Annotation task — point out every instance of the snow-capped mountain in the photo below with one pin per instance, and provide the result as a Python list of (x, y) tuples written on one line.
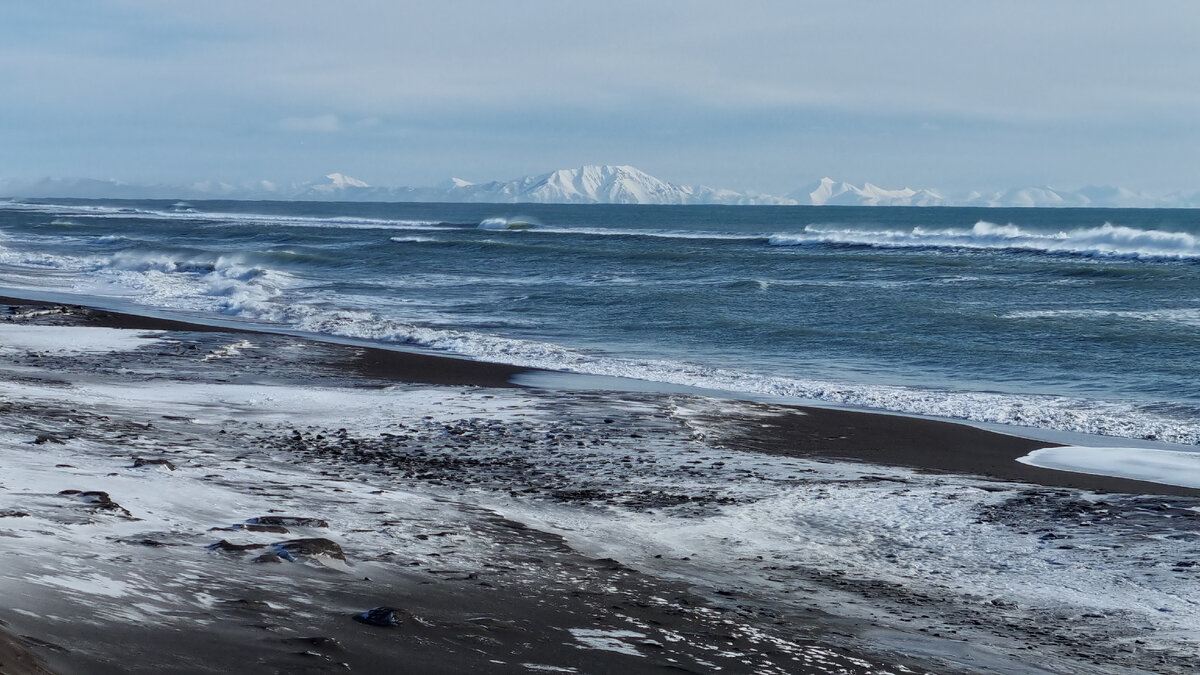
[(599, 185), (828, 192), (585, 185), (338, 187)]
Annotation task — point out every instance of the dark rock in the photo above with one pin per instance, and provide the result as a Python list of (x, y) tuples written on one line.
[(98, 499), (250, 527), (271, 557), (274, 529), (248, 604), (320, 643), (287, 521), (42, 439), (141, 461), (384, 617), (13, 514), (227, 547), (317, 546), (153, 543)]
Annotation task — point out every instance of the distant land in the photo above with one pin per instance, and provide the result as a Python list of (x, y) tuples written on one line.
[(597, 184)]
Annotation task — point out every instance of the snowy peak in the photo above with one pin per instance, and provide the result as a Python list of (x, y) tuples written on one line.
[(341, 181), (600, 184), (337, 186), (338, 182), (828, 192), (604, 184)]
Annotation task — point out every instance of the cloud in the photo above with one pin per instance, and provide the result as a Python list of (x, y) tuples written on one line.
[(696, 93), (317, 124)]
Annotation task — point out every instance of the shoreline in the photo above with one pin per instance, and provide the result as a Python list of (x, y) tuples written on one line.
[(376, 362), (935, 446), (872, 437), (156, 477)]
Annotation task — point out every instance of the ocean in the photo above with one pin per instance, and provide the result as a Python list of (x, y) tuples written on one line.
[(1067, 320), (570, 517)]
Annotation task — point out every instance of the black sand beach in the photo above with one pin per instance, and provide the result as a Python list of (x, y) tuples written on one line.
[(469, 589), (876, 438)]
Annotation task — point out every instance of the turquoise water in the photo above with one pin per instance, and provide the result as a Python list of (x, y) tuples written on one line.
[(1073, 319)]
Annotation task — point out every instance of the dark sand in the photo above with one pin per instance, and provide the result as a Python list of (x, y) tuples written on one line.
[(16, 659), (376, 362), (925, 444), (876, 438), (464, 620)]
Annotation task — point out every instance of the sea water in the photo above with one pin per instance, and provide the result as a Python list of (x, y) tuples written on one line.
[(1078, 320)]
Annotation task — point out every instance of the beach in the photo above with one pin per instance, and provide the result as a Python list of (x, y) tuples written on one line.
[(598, 338), (185, 498)]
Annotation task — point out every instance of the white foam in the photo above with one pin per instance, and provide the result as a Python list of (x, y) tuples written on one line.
[(1106, 418), (237, 285), (234, 286), (508, 223), (1107, 240), (915, 532), (1185, 316), (89, 584), (608, 640), (228, 351), (1168, 467), (920, 533), (255, 299)]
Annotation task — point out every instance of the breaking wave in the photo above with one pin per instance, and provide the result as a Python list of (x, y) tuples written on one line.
[(1107, 240), (281, 285), (1118, 419), (240, 285)]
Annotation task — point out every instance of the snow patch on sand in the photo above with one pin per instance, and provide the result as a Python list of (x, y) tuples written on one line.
[(608, 640), (1168, 467), (76, 339)]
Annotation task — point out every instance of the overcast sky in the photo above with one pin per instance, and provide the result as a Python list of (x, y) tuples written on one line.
[(761, 95)]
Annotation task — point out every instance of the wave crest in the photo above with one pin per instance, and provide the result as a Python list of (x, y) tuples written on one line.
[(1107, 240)]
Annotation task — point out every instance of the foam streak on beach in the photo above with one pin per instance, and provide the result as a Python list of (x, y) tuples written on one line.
[(178, 497)]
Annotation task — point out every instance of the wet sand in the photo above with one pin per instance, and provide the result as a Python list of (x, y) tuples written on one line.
[(384, 364), (16, 659), (923, 444)]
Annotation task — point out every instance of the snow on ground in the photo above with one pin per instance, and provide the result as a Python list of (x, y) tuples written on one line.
[(1000, 566), (53, 339), (1169, 467)]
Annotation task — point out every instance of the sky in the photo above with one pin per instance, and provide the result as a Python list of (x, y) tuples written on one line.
[(764, 96)]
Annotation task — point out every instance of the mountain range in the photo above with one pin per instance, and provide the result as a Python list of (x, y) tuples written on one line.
[(597, 184)]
